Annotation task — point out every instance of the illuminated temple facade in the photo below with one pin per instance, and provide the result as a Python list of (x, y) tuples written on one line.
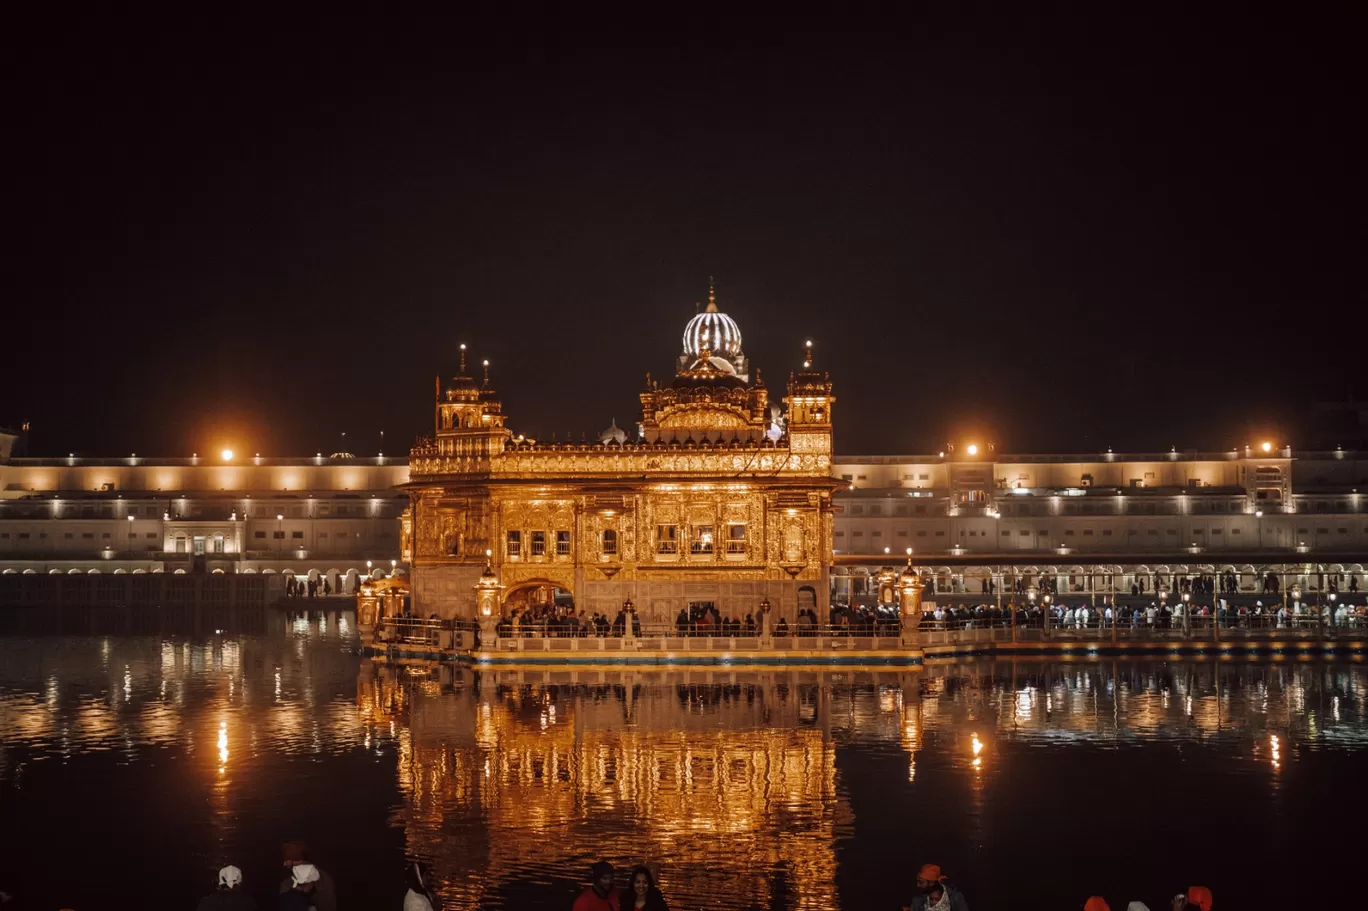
[(717, 501)]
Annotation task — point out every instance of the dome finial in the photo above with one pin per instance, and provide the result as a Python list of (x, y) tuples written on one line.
[(486, 372), (807, 354), (462, 373), (712, 296)]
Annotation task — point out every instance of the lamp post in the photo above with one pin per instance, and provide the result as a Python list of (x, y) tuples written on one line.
[(1258, 518), (280, 532), (1187, 612), (1294, 592), (1162, 591), (1333, 598), (1046, 599)]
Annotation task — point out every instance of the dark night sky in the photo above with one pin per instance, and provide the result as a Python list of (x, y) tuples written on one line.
[(1058, 234)]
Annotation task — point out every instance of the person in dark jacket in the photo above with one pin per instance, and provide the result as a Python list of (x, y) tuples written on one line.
[(303, 892), (229, 895), (323, 894), (641, 893)]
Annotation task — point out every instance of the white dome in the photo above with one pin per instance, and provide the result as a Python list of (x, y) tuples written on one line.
[(723, 335)]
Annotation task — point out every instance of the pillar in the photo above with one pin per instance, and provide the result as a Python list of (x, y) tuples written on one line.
[(910, 605)]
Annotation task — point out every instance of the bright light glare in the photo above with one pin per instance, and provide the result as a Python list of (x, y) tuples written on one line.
[(1267, 447), (227, 455), (973, 449)]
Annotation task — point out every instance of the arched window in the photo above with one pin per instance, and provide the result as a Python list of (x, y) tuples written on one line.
[(610, 542)]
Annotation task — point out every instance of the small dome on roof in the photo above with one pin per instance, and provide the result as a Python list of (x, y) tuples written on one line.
[(614, 434)]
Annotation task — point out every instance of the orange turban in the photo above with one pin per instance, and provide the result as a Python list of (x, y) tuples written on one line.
[(1096, 903), (929, 872), (1200, 896)]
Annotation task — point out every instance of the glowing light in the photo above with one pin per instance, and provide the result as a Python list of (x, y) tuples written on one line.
[(1266, 447), (1276, 748), (973, 449), (226, 455), (223, 743)]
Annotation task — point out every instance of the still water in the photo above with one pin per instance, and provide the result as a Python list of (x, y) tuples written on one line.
[(133, 764)]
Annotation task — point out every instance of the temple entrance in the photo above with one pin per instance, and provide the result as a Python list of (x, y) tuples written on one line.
[(537, 597)]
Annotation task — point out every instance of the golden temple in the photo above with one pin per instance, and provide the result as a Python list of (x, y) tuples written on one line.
[(719, 498)]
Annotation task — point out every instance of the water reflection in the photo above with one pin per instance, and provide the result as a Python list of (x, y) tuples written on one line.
[(733, 783), (767, 789)]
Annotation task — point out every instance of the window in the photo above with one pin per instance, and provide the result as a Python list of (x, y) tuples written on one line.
[(840, 534), (180, 545), (218, 544), (859, 534), (562, 543), (857, 510), (105, 536), (1005, 533), (297, 535), (921, 534), (255, 534), (1023, 533), (1322, 531), (860, 477), (701, 539), (1088, 532), (736, 539), (538, 543), (667, 539), (67, 535), (876, 534), (322, 534), (1234, 531), (1069, 532), (846, 477), (902, 534), (940, 534), (923, 477), (23, 536), (1215, 531), (1154, 531), (1106, 532), (278, 535), (1343, 531), (513, 544), (610, 542)]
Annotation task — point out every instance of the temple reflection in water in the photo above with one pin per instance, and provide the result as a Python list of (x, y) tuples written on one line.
[(730, 781)]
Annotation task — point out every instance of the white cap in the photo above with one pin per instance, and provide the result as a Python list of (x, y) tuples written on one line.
[(230, 876), (304, 873)]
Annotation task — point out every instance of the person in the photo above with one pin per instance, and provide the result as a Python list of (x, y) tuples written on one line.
[(1197, 897), (1096, 903), (229, 895), (324, 893), (303, 892), (419, 896), (600, 896), (929, 880), (642, 894)]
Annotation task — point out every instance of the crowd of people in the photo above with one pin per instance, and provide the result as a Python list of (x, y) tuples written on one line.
[(304, 587), (307, 888), (933, 892)]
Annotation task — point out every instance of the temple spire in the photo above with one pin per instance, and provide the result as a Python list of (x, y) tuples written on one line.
[(462, 372), (807, 354), (712, 296), (486, 373)]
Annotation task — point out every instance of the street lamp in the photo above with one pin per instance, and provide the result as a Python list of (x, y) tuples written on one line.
[(1187, 611), (280, 531)]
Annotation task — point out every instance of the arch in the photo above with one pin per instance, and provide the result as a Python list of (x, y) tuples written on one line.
[(159, 569), (283, 572), (140, 572), (120, 571), (7, 572), (73, 572), (267, 570), (400, 571), (55, 572), (250, 569), (523, 589), (216, 571), (29, 572), (180, 572), (807, 597), (92, 572), (312, 575), (351, 578)]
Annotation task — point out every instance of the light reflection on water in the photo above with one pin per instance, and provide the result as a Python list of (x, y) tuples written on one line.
[(746, 789)]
